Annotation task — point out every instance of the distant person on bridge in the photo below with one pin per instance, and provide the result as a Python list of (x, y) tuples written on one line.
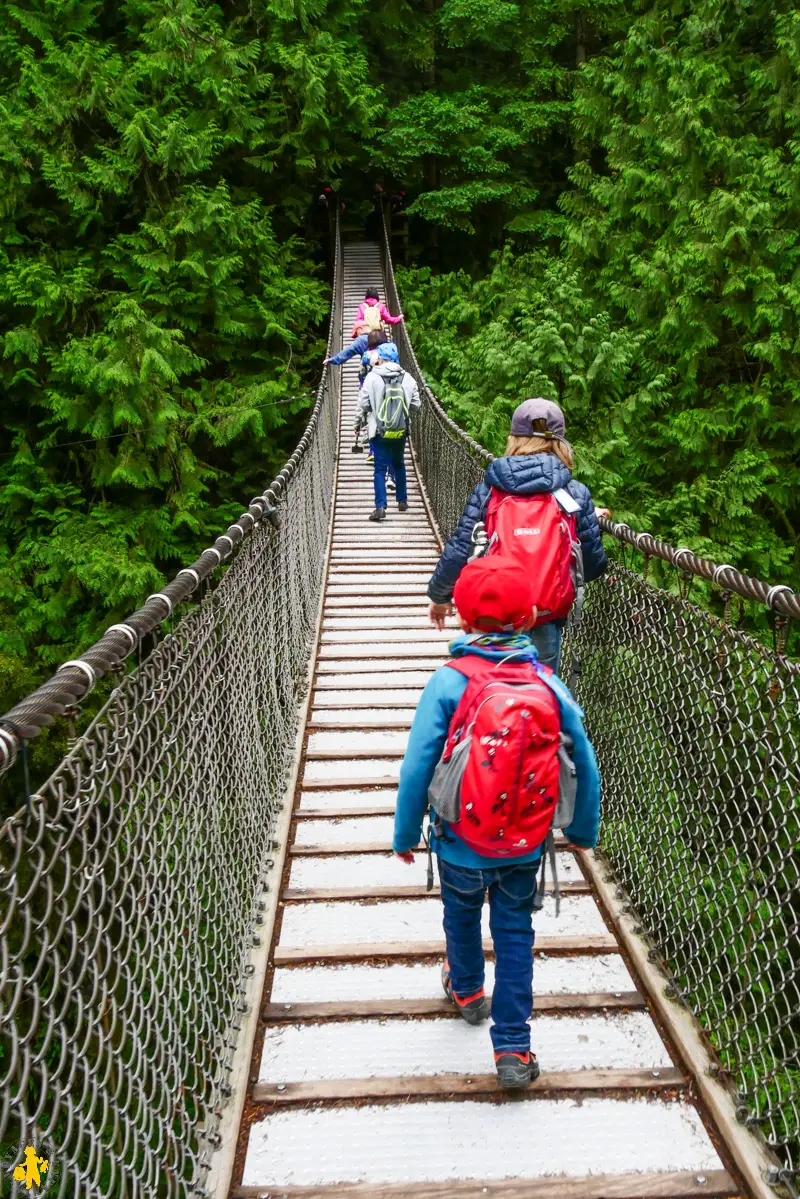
[(385, 404), (373, 314), (486, 752), (529, 506)]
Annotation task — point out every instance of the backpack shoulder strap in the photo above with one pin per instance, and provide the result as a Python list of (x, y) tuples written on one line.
[(470, 665)]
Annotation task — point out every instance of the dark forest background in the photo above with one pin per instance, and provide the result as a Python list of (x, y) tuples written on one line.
[(604, 208)]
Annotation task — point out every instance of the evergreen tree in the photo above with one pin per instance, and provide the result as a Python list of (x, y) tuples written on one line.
[(159, 319)]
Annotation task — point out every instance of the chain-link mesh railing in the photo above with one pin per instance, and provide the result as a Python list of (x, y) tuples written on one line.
[(132, 886), (697, 729)]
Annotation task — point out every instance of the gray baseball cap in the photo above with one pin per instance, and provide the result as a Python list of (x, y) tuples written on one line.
[(537, 409)]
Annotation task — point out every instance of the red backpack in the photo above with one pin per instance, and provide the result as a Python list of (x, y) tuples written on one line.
[(505, 776), (541, 531)]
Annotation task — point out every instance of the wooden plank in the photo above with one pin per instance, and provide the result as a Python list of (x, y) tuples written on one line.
[(334, 666), (318, 894), (383, 726), (747, 1149), (400, 614), (340, 813), (384, 780), (423, 645), (683, 1184), (392, 567), (291, 955), (353, 755), (387, 601), (367, 704), (439, 1085), (329, 684), (367, 1009), (328, 851), (412, 650)]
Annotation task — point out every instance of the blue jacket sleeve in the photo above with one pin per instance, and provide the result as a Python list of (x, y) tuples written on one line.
[(426, 741), (456, 552), (589, 534), (356, 347), (586, 818)]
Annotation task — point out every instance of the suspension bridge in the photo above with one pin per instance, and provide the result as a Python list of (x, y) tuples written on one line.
[(217, 981)]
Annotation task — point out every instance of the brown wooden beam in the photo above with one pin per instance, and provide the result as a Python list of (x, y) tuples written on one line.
[(349, 784), (353, 755), (556, 946), (350, 704), (367, 1009), (327, 894), (340, 813), (399, 664), (385, 726), (442, 1085), (332, 850), (684, 1184)]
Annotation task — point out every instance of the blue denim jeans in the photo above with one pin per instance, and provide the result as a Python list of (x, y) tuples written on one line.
[(511, 893), (389, 454), (547, 639)]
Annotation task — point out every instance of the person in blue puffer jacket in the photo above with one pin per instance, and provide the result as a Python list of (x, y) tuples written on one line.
[(537, 459)]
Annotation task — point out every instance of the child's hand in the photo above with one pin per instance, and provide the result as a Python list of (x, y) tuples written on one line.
[(606, 512), (577, 848), (405, 856), (438, 613)]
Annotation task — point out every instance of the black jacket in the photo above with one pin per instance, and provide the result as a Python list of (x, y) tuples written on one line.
[(523, 474)]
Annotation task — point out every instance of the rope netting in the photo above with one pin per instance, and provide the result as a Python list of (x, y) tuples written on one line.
[(133, 886), (696, 724)]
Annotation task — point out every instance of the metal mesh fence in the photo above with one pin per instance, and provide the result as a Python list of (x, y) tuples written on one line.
[(697, 729), (132, 890)]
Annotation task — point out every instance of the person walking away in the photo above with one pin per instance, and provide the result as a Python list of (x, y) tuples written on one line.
[(498, 749), (385, 404), (529, 505), (372, 314)]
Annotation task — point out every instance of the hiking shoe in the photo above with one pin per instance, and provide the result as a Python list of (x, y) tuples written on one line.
[(378, 514), (402, 507), (370, 457), (516, 1070), (474, 1009), (390, 483)]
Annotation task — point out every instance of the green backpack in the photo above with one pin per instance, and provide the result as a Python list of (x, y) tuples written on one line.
[(392, 412)]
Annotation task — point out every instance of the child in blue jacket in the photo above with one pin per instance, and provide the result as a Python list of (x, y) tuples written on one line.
[(490, 593)]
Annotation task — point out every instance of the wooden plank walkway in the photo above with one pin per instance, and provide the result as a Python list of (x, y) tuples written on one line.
[(365, 1087)]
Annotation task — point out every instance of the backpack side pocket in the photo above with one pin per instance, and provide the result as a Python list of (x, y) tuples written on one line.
[(444, 793)]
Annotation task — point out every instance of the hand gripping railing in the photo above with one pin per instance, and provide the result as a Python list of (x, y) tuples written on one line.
[(132, 887), (697, 729)]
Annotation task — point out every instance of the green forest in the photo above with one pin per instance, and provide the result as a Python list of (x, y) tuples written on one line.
[(604, 207)]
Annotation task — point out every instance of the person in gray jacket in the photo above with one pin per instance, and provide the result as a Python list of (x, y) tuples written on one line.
[(387, 399)]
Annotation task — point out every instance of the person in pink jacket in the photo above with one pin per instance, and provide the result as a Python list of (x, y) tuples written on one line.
[(366, 322)]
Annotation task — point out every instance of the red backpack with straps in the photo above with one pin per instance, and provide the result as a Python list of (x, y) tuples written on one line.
[(541, 532), (504, 777)]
